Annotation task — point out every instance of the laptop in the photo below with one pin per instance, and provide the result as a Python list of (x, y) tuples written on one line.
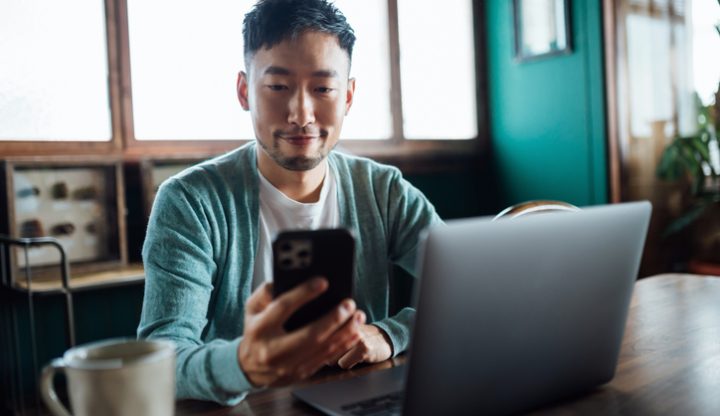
[(511, 315)]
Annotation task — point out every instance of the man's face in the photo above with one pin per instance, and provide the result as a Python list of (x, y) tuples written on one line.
[(298, 93)]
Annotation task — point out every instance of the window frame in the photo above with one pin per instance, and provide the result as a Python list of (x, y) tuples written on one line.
[(112, 146), (615, 14), (124, 143)]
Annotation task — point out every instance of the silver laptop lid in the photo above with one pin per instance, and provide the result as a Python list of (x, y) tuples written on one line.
[(515, 313)]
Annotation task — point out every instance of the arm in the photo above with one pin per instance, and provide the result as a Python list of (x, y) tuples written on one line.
[(179, 269), (408, 214)]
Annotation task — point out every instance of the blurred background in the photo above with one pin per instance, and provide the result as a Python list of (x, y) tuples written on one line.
[(481, 104)]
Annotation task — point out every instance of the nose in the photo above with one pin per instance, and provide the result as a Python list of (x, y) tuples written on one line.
[(301, 111)]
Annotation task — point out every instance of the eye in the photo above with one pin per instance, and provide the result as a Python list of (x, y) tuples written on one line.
[(277, 87), (324, 90)]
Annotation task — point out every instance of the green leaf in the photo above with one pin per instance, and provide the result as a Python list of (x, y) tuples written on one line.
[(687, 155), (701, 146), (686, 219), (670, 168)]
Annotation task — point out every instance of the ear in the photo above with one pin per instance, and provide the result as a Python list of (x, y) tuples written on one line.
[(242, 90), (349, 95)]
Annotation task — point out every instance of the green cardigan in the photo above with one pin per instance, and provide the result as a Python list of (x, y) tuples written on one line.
[(200, 249)]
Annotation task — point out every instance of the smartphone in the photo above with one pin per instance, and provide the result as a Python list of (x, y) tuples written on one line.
[(302, 255)]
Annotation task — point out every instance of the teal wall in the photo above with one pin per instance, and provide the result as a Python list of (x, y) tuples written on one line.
[(548, 116)]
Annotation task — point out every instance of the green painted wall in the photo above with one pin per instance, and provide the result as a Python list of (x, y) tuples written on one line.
[(548, 116)]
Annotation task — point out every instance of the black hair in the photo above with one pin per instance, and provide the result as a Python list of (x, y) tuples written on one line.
[(273, 21)]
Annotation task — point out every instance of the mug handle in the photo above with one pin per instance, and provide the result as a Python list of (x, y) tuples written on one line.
[(48, 392)]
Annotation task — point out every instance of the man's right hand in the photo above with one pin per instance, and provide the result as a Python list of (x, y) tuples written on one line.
[(270, 356)]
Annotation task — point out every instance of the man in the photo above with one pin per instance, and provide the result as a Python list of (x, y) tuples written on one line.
[(209, 237)]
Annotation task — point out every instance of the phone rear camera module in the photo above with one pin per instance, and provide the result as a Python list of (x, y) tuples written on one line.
[(286, 263), (294, 254)]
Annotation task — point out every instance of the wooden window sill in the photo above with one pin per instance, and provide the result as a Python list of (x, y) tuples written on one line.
[(131, 273)]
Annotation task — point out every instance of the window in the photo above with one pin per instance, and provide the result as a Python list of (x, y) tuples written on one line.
[(659, 90), (176, 63), (183, 76), (437, 69), (664, 82), (371, 115), (53, 71)]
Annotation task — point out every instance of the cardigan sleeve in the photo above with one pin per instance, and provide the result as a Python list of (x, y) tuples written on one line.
[(179, 273), (409, 213)]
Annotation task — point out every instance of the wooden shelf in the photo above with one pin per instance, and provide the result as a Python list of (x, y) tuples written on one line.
[(123, 275)]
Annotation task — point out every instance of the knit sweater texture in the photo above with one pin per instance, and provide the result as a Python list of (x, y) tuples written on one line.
[(200, 248)]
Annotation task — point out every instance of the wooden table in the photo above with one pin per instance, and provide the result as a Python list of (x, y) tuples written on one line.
[(669, 362)]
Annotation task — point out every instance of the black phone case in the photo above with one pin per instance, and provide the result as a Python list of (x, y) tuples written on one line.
[(302, 255)]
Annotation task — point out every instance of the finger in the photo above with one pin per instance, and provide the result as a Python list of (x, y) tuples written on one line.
[(260, 299), (342, 341), (360, 319), (339, 345), (286, 304), (322, 329), (293, 349), (292, 365), (304, 344), (297, 351), (333, 361), (353, 357)]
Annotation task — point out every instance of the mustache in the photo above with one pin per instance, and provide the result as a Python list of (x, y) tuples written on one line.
[(301, 131)]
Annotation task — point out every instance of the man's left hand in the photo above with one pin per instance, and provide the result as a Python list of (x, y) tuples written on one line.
[(374, 346)]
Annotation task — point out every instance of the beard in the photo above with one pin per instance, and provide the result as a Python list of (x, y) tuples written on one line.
[(296, 163)]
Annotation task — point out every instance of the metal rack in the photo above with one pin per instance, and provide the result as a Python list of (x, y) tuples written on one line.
[(11, 295)]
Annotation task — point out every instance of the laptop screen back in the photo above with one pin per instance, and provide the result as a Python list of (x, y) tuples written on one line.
[(516, 313)]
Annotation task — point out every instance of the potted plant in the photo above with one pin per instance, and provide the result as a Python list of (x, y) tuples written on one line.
[(696, 160)]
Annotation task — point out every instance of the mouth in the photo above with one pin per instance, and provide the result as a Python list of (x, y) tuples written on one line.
[(300, 140)]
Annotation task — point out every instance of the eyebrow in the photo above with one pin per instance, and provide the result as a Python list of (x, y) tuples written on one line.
[(278, 70), (325, 73)]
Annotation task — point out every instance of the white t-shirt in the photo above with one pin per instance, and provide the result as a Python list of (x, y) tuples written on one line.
[(279, 213)]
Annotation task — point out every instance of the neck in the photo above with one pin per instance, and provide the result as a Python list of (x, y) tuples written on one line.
[(301, 186)]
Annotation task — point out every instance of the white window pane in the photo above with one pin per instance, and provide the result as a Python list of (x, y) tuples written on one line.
[(184, 80), (370, 116), (650, 79), (185, 56), (437, 67), (53, 71), (686, 107), (706, 47)]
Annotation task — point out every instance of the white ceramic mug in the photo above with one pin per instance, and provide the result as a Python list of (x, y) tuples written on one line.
[(115, 377)]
